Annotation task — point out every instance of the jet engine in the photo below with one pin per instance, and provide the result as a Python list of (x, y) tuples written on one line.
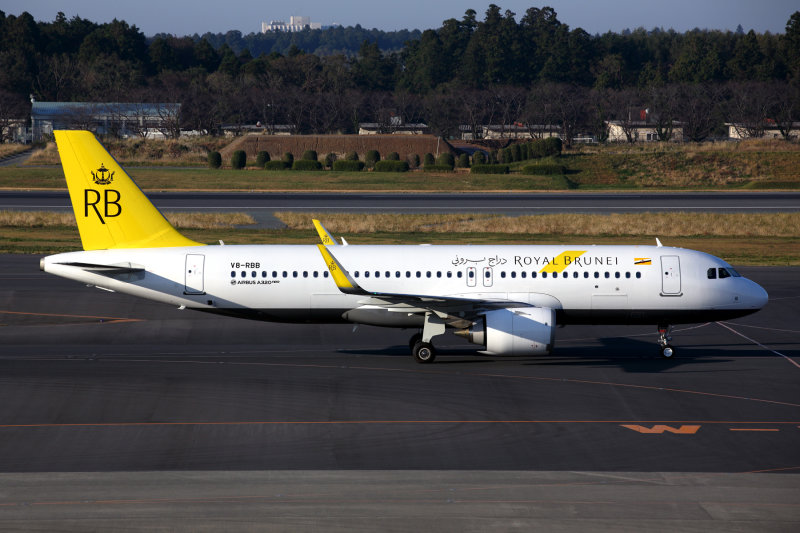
[(514, 331)]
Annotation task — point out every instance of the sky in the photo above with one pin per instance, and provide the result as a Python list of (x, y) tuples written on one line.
[(187, 17)]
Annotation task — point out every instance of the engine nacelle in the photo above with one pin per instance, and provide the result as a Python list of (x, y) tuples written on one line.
[(514, 331)]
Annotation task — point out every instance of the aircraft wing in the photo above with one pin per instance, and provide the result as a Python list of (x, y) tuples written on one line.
[(454, 309)]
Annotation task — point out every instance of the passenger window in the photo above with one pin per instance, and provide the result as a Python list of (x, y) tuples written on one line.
[(533, 274), (285, 274), (544, 274), (565, 275), (253, 273), (723, 273), (616, 275), (638, 275), (459, 273), (523, 274), (294, 274), (233, 273), (244, 274), (325, 274), (366, 273), (397, 274), (471, 274), (428, 274), (316, 274), (408, 274), (596, 275), (585, 274), (419, 274), (263, 273), (438, 273), (449, 274), (274, 274), (305, 273), (627, 275), (575, 275), (607, 275), (711, 273), (502, 274), (487, 274), (377, 274), (513, 274)]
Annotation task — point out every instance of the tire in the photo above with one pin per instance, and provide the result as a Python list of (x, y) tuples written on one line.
[(423, 353), (667, 352)]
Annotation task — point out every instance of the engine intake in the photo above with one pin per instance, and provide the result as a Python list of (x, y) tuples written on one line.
[(514, 331)]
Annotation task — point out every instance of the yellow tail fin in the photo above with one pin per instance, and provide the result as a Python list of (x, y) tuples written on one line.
[(111, 210)]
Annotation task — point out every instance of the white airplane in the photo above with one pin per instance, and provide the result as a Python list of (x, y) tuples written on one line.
[(508, 299)]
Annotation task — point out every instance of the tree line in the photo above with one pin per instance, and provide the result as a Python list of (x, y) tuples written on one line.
[(535, 71)]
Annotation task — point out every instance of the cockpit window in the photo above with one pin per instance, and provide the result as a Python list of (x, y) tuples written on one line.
[(723, 273), (712, 273), (734, 273)]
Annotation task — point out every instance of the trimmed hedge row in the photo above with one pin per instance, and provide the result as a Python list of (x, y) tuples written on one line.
[(391, 165), (544, 169), (437, 168), (489, 169), (276, 165), (346, 165), (306, 164)]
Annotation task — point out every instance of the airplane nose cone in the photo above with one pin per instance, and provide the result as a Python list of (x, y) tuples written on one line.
[(757, 296)]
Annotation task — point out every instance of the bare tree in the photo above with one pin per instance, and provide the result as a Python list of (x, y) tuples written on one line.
[(784, 107), (696, 109), (627, 107), (12, 113), (749, 106), (663, 109)]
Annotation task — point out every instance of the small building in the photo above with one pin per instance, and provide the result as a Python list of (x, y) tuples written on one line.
[(509, 131), (738, 131), (149, 120), (640, 131), (395, 126), (295, 24)]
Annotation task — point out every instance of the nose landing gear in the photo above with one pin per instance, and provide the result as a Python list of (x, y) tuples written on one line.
[(667, 351)]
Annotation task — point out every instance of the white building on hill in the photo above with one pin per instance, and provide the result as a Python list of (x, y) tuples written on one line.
[(295, 24)]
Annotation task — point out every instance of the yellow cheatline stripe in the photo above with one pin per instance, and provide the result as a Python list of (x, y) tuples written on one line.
[(562, 261), (327, 238), (337, 272), (642, 261)]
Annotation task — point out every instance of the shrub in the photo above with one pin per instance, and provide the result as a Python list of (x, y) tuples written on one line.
[(306, 164), (276, 165), (261, 158), (479, 158), (214, 159), (516, 153), (391, 165), (544, 169), (413, 160), (463, 161), (393, 156), (372, 157), (309, 155), (545, 147), (493, 155), (428, 159), (288, 158), (446, 159), (438, 168), (553, 146), (525, 151), (351, 156), (348, 165), (239, 159), (329, 160), (506, 156), (489, 169)]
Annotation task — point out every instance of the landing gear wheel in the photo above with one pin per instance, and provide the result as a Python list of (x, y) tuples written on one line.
[(423, 352), (667, 352), (415, 338)]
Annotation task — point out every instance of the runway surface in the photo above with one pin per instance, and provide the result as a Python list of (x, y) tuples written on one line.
[(146, 410)]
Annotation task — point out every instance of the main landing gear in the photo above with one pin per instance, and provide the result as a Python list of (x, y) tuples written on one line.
[(667, 351), (420, 343)]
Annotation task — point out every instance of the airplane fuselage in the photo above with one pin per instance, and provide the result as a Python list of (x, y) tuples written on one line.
[(291, 283)]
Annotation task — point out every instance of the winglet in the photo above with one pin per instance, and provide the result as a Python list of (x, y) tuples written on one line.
[(658, 243), (340, 276), (324, 234)]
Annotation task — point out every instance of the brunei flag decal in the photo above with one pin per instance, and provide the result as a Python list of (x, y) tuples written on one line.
[(642, 261)]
